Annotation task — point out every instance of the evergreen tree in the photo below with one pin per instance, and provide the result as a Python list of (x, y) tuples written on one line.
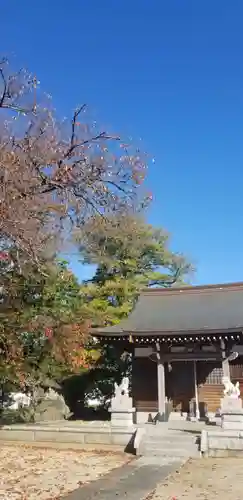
[(129, 255)]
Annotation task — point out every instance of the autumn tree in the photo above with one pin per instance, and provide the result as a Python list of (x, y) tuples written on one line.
[(55, 174), (43, 333)]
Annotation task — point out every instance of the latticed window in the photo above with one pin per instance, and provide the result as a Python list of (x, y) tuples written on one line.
[(209, 373), (236, 370), (215, 376)]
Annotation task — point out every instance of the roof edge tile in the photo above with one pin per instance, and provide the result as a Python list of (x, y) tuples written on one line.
[(193, 288)]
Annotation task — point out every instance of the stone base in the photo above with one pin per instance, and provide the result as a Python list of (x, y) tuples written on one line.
[(231, 414), (232, 417), (229, 441), (224, 443), (122, 418), (231, 405), (232, 421), (123, 403), (232, 426)]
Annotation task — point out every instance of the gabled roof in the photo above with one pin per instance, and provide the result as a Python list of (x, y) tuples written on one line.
[(211, 308)]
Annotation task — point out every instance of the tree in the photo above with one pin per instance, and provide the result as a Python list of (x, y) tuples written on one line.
[(129, 255), (55, 174), (44, 331)]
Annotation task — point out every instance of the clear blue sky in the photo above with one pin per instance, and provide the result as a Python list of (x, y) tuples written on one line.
[(170, 72)]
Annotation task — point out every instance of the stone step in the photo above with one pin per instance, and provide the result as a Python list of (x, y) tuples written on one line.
[(156, 460), (167, 443), (169, 446), (168, 453), (161, 431), (170, 438)]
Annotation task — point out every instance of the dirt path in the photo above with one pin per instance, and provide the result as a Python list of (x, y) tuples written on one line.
[(205, 479)]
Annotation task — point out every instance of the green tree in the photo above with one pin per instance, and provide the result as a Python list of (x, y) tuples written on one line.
[(129, 255)]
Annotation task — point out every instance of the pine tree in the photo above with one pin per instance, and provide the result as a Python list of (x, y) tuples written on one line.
[(129, 255)]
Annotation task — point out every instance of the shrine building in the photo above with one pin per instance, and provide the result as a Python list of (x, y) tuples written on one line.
[(183, 340)]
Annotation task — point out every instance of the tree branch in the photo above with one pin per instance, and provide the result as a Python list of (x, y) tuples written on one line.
[(4, 88)]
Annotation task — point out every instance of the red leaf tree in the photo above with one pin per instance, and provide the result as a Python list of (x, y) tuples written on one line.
[(56, 174)]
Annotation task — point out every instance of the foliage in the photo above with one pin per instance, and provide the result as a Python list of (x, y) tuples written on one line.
[(55, 174), (129, 255), (44, 333), (59, 178), (20, 416), (97, 383)]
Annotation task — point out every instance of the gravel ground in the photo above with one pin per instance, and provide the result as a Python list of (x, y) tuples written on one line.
[(28, 473), (208, 479)]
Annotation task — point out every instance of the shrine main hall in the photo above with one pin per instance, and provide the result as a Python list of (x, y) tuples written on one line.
[(183, 340)]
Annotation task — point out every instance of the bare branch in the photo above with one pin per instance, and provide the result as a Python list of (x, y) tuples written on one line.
[(74, 124), (51, 174), (4, 88)]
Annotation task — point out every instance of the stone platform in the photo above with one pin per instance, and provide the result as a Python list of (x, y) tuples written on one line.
[(222, 443), (73, 432), (227, 440)]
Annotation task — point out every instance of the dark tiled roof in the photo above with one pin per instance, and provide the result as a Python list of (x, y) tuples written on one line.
[(187, 309)]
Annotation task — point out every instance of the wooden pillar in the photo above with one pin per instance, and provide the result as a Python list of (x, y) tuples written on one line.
[(161, 385), (225, 361), (196, 390)]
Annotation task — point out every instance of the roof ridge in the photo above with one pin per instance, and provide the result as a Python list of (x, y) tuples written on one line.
[(193, 288)]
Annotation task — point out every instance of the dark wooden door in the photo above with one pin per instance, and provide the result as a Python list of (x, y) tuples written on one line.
[(179, 385), (144, 385)]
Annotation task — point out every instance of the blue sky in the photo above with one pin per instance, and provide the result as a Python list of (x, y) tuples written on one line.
[(170, 72)]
